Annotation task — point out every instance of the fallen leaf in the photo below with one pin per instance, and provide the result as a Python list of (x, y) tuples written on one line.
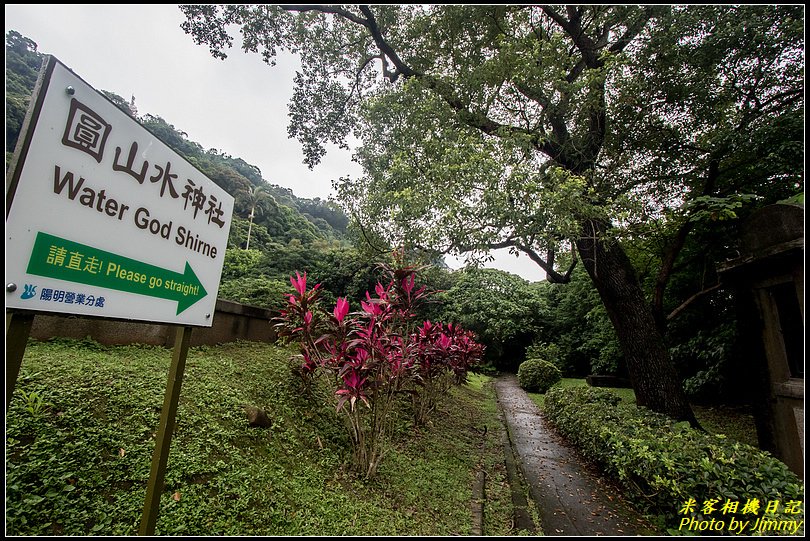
[(121, 452), (176, 496)]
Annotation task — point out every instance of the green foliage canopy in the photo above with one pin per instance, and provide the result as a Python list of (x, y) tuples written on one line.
[(504, 310), (507, 125)]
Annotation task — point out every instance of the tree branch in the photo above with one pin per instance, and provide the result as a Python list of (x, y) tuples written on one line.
[(401, 67), (370, 22), (371, 245), (335, 10), (675, 247), (665, 272), (557, 18), (634, 29), (690, 300), (553, 276), (545, 264), (556, 120), (473, 119)]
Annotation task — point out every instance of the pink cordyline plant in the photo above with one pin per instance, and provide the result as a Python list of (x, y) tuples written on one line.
[(341, 309), (376, 353), (445, 354)]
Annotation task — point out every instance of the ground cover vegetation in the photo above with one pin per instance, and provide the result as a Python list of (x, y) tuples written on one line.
[(735, 421), (80, 434)]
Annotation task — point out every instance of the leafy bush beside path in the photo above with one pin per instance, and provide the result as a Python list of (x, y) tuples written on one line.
[(671, 469)]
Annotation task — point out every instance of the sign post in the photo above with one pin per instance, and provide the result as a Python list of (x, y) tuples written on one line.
[(104, 220), (18, 327), (164, 436)]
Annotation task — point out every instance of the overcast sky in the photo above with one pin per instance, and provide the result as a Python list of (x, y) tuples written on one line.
[(237, 106)]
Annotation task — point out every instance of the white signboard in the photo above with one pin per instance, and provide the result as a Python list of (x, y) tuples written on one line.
[(105, 219)]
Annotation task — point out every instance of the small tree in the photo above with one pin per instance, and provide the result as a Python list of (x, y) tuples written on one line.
[(505, 311), (257, 193)]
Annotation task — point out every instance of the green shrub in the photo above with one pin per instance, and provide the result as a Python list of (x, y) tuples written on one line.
[(258, 291), (663, 465), (537, 375)]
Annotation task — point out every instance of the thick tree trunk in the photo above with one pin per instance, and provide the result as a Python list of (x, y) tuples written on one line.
[(655, 381)]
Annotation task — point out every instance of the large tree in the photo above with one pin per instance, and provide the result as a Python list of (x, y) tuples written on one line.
[(540, 128)]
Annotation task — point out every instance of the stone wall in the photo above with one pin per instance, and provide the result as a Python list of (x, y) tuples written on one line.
[(232, 321)]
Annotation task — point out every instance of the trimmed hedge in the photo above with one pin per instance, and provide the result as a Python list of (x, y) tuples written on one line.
[(537, 375), (664, 464)]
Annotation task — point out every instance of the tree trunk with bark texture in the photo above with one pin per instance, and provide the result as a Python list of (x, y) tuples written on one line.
[(655, 381)]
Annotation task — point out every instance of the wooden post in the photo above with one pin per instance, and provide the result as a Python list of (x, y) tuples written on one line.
[(18, 327), (164, 436)]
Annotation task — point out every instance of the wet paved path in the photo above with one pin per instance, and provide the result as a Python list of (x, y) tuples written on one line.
[(570, 499)]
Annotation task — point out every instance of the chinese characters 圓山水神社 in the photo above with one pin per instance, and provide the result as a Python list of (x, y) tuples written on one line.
[(87, 131)]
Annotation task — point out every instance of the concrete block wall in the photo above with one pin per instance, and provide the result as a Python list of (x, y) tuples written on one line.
[(232, 321)]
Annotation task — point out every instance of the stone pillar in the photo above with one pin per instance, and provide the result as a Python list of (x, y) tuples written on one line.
[(770, 274)]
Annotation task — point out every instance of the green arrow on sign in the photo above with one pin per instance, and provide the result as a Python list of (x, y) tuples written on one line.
[(54, 257)]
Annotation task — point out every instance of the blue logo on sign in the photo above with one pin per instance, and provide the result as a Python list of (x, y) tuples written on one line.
[(29, 292)]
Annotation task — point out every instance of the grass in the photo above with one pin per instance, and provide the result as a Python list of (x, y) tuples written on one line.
[(80, 434), (736, 423)]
